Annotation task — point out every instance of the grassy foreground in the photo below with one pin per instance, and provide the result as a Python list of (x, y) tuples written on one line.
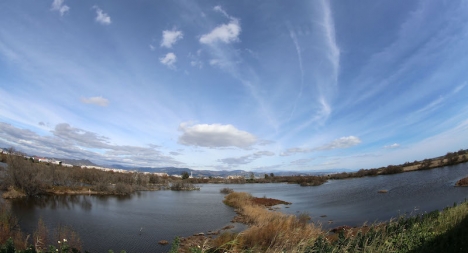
[(271, 231), (438, 231)]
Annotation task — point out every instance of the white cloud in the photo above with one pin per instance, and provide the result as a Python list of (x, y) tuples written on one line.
[(151, 47), (343, 142), (58, 5), (394, 145), (96, 101), (215, 136), (102, 17), (169, 60), (225, 33), (170, 38), (219, 9), (236, 161)]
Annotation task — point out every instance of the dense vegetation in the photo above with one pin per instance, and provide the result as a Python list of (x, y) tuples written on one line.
[(27, 177), (451, 158), (31, 178)]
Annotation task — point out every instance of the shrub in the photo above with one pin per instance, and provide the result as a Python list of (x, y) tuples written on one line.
[(226, 190), (391, 169), (9, 228), (123, 189), (23, 175), (101, 187), (183, 186)]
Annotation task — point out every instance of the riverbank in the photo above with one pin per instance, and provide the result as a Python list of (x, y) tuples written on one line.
[(437, 231), (25, 177), (448, 160), (264, 227)]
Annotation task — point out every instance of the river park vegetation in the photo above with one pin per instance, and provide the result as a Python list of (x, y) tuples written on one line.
[(268, 231), (26, 177)]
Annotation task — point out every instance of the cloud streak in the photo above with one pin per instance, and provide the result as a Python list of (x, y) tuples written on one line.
[(242, 160), (343, 142), (100, 101)]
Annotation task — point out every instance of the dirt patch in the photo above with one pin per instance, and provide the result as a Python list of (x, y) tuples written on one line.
[(12, 193)]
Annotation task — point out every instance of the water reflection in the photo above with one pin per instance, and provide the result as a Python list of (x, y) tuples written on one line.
[(166, 214), (53, 202)]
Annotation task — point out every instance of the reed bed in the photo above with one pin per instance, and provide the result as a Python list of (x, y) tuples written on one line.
[(274, 232), (269, 231)]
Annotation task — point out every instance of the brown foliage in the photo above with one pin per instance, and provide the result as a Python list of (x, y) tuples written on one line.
[(392, 169), (66, 234), (24, 175), (9, 228), (226, 190), (33, 178), (41, 236), (462, 182), (268, 230)]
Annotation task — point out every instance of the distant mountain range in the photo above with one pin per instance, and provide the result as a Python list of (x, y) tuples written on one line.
[(199, 173), (77, 162), (223, 173), (178, 171)]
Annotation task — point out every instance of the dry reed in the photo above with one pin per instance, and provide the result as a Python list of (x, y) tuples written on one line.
[(269, 231)]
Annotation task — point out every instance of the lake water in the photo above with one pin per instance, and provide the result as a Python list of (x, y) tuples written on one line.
[(109, 222)]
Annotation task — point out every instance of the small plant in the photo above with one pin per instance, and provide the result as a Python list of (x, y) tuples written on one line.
[(175, 245)]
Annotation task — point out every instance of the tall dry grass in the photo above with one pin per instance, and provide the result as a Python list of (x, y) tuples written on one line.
[(269, 231), (437, 231)]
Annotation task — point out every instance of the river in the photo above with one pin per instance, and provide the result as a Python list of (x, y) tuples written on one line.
[(109, 222)]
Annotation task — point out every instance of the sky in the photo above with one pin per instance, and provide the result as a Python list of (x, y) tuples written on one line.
[(224, 85)]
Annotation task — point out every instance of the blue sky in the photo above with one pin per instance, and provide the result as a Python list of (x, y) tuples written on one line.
[(220, 85)]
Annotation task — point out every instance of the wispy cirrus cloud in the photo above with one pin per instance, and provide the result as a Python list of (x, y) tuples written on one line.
[(326, 70), (392, 146), (293, 36), (100, 101), (343, 142), (58, 5), (102, 17), (302, 162), (241, 160), (215, 136)]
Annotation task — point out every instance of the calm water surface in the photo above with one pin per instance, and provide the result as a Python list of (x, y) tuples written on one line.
[(105, 223)]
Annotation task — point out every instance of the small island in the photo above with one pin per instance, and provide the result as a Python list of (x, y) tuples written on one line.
[(462, 182)]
